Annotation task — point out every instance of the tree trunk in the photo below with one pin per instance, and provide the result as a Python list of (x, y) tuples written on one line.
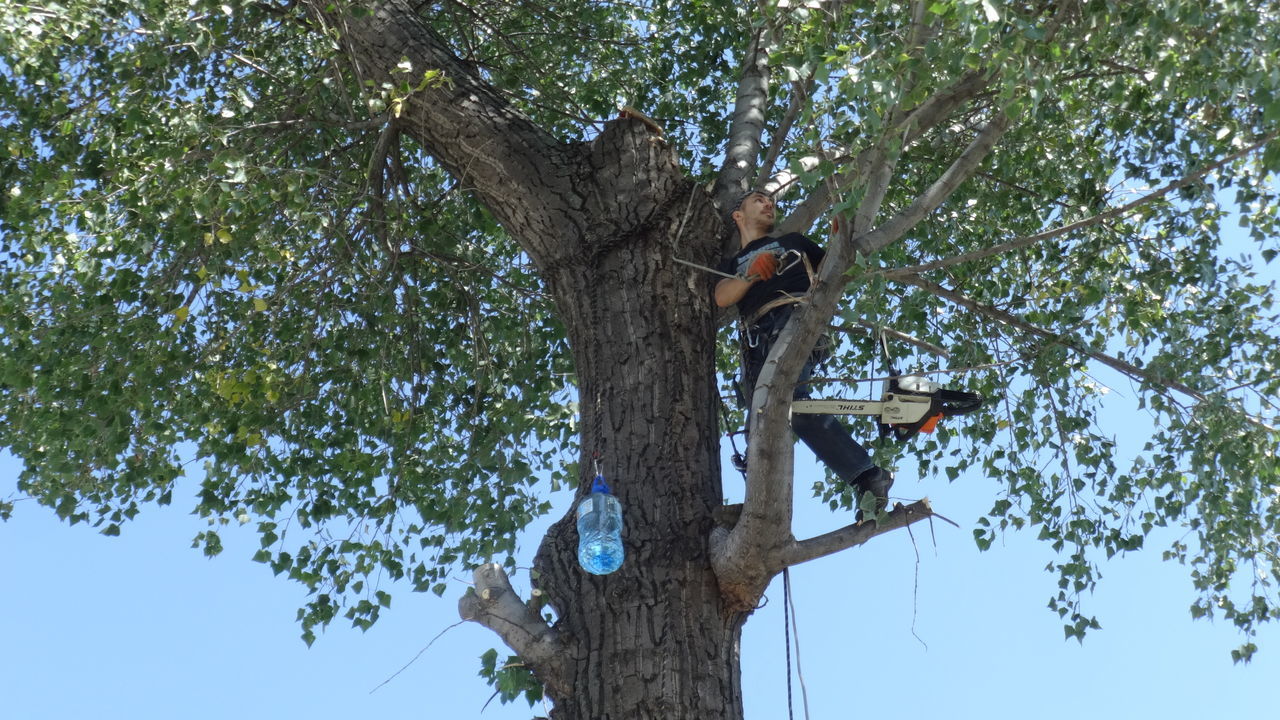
[(604, 221), (654, 639)]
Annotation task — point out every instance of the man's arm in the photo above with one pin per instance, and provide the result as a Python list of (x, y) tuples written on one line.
[(730, 290)]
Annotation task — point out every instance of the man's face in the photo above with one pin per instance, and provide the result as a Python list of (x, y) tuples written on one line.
[(756, 212)]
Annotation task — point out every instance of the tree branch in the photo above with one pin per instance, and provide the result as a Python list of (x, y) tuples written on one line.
[(864, 218), (937, 108), (800, 93), (852, 535), (960, 170), (1006, 318), (494, 604), (750, 554), (870, 327), (463, 122), (899, 273), (742, 151)]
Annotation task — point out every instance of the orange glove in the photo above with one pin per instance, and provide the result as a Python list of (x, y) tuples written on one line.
[(764, 266)]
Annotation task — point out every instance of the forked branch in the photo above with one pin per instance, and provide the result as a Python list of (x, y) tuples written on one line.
[(928, 115), (960, 170), (749, 554), (494, 604)]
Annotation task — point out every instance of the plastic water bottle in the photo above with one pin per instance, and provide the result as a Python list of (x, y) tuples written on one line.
[(600, 530)]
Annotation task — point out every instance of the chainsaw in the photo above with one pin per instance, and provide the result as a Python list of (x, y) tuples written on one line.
[(910, 404)]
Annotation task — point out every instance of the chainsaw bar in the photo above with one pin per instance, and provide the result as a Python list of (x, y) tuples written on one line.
[(901, 412), (892, 409)]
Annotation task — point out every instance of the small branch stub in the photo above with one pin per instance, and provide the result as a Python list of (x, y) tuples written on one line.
[(495, 604)]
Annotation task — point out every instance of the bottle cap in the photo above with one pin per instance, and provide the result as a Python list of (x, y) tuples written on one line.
[(598, 485)]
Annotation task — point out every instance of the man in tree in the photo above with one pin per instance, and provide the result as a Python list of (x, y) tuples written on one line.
[(765, 296)]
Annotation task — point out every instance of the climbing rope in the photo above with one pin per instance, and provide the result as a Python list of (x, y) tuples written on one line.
[(788, 624), (786, 633), (739, 460)]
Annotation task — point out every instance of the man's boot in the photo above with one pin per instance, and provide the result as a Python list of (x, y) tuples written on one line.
[(876, 481)]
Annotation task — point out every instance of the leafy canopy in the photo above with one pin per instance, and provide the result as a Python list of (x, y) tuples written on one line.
[(215, 245)]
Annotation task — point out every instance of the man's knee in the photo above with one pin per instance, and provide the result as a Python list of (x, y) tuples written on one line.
[(808, 425)]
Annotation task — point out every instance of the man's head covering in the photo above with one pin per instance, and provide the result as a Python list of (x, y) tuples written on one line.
[(743, 198)]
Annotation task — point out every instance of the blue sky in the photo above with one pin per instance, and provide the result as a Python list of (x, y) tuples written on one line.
[(143, 627)]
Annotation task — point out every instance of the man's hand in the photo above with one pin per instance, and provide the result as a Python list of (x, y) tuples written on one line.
[(764, 266)]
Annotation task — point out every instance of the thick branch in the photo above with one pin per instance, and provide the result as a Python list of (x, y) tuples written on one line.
[(750, 554), (856, 534), (961, 169), (872, 200), (494, 604), (751, 551), (493, 149), (747, 125), (933, 111), (898, 273)]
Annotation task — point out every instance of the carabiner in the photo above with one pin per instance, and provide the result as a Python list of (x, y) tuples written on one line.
[(799, 257)]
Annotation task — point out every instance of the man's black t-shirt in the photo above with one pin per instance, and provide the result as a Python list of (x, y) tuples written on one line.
[(792, 281)]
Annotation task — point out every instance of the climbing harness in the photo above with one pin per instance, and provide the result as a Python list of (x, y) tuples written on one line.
[(786, 298)]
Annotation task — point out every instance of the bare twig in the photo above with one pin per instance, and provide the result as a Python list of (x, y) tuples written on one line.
[(415, 657), (895, 334)]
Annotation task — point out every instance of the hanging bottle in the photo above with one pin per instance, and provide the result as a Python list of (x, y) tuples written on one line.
[(600, 530)]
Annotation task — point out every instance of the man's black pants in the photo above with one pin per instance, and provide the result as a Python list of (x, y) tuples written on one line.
[(826, 436)]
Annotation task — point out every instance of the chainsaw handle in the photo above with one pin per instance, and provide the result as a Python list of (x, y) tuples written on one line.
[(944, 403)]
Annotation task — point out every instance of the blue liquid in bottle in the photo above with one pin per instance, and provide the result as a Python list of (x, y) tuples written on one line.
[(600, 530)]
